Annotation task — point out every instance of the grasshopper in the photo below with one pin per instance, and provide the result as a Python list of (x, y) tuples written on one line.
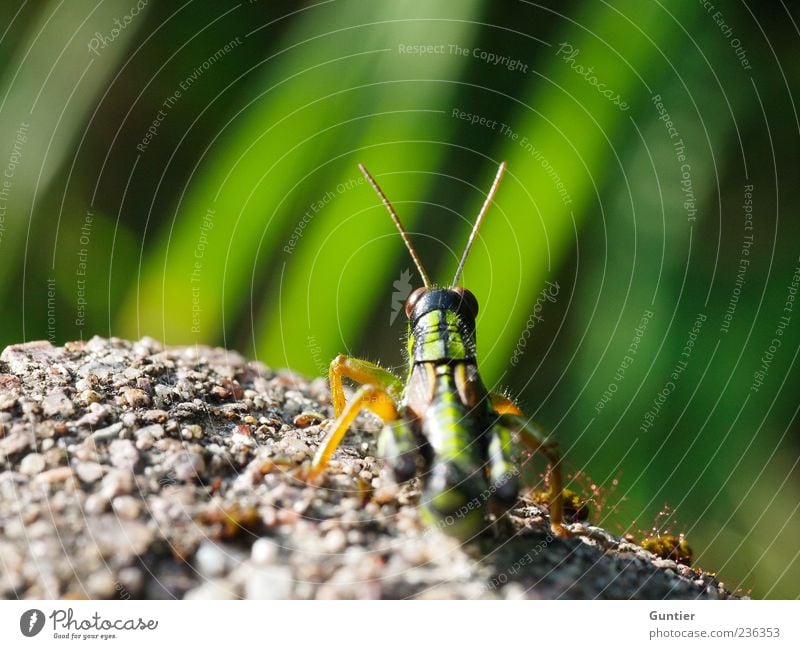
[(442, 421)]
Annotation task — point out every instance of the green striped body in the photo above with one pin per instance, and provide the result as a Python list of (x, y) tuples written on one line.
[(456, 495), (448, 426), (441, 336)]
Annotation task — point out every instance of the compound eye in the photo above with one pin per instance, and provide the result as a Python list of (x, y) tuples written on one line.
[(469, 299), (412, 300)]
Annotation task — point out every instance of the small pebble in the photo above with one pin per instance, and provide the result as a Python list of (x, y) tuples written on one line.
[(117, 482), (146, 437), (107, 433), (101, 585), (264, 551), (272, 582), (61, 474), (130, 580), (335, 541), (187, 465), (89, 396), (215, 589), (665, 564), (57, 404), (95, 504), (32, 464), (127, 507), (81, 385), (308, 418), (123, 454), (135, 397), (89, 471), (155, 416), (210, 560)]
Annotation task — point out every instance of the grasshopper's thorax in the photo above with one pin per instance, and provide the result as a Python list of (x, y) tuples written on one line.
[(442, 328), (442, 341)]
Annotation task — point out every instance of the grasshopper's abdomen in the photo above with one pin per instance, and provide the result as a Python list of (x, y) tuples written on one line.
[(449, 426), (456, 491)]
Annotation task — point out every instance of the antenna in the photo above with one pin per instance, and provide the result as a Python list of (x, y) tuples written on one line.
[(492, 191), (425, 280)]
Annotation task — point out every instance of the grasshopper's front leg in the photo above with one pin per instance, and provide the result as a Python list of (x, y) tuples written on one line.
[(345, 367), (535, 439), (372, 397)]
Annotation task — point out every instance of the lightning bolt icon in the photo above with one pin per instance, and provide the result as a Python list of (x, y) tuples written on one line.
[(32, 620)]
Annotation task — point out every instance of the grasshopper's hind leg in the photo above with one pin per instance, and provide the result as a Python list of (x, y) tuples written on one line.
[(535, 439), (372, 397), (345, 367), (400, 448)]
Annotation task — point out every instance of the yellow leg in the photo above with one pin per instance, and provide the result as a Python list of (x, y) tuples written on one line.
[(535, 439), (372, 397), (502, 405), (345, 367)]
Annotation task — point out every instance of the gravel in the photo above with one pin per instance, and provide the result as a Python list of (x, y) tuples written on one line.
[(132, 470)]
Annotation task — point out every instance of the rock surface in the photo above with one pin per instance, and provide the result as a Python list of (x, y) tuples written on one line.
[(132, 470)]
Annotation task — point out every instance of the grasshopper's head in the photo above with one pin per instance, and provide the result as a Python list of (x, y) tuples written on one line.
[(454, 501), (442, 324)]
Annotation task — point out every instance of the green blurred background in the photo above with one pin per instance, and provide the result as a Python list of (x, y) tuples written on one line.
[(188, 171)]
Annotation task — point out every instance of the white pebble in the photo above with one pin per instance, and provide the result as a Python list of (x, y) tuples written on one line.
[(89, 471), (215, 589), (100, 585), (264, 551), (95, 504), (273, 582), (335, 541), (126, 507), (32, 464), (210, 560)]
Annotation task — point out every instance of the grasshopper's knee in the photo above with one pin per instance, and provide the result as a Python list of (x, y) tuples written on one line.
[(338, 362)]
